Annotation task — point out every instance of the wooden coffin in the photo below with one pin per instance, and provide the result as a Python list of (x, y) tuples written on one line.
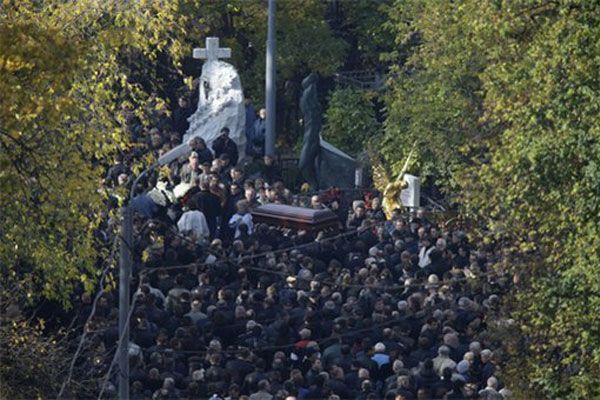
[(297, 218)]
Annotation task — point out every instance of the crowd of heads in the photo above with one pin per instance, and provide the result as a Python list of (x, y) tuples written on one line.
[(226, 307)]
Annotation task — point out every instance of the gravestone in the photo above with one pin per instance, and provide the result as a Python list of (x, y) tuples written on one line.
[(336, 168), (411, 196), (221, 102)]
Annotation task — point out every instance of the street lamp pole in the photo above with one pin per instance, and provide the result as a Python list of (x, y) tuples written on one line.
[(270, 84), (125, 270), (126, 261), (125, 274)]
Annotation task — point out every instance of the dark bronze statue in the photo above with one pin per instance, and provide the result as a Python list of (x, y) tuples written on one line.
[(312, 118), (290, 110)]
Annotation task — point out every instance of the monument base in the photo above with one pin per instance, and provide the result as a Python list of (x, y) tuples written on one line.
[(335, 168)]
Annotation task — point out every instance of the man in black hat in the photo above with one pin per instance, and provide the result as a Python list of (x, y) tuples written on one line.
[(224, 145)]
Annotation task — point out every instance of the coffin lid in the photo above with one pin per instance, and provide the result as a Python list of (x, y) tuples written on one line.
[(291, 213)]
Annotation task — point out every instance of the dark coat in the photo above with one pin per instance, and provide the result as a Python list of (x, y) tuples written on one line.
[(238, 369), (204, 155), (227, 146), (258, 137), (340, 388), (180, 119), (210, 205)]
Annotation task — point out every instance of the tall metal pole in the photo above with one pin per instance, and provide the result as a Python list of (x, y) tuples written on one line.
[(126, 260), (270, 87)]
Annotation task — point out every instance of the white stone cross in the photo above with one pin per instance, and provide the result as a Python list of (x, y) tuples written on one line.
[(212, 52)]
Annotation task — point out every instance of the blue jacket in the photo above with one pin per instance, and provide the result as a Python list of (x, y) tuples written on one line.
[(381, 359), (260, 132)]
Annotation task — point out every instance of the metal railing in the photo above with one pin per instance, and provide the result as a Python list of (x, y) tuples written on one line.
[(365, 79), (290, 174)]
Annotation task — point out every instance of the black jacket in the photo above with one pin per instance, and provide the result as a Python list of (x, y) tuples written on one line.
[(341, 389), (226, 146), (180, 122), (210, 205)]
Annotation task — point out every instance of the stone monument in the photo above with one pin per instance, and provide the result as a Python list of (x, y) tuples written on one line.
[(411, 195), (336, 168), (221, 102)]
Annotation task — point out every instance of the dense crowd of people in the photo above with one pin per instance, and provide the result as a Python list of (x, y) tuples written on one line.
[(227, 308)]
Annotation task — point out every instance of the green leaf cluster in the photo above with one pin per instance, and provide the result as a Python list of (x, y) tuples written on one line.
[(364, 25), (29, 355), (66, 70), (350, 119), (504, 101), (69, 74), (434, 97), (305, 41)]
